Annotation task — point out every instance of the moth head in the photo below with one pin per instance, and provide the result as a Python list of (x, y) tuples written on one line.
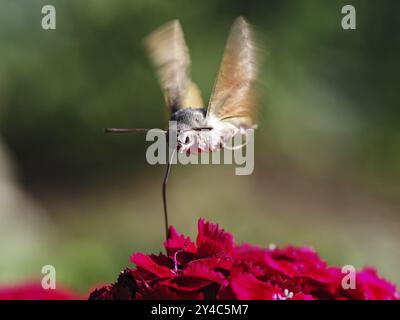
[(188, 121)]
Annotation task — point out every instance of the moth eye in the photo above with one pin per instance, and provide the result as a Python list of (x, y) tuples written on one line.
[(187, 140)]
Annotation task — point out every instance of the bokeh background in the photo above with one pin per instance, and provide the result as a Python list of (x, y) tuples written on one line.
[(327, 165)]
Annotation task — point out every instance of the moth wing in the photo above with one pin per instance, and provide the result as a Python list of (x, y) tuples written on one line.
[(234, 95), (169, 54)]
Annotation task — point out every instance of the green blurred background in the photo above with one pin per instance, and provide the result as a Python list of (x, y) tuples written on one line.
[(327, 164)]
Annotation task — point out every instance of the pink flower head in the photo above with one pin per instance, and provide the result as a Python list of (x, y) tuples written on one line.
[(34, 291), (214, 267)]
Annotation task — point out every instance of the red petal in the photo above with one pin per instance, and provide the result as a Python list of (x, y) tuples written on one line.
[(247, 287), (148, 264), (369, 286), (186, 283), (157, 292), (292, 261), (196, 270), (248, 252), (219, 261), (162, 260), (177, 242), (302, 296), (212, 240), (34, 291)]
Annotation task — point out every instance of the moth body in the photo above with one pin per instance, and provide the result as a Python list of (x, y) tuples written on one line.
[(232, 104), (198, 132)]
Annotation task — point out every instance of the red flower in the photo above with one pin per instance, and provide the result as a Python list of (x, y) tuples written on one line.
[(247, 287), (177, 242), (212, 240), (370, 286), (146, 263), (34, 291), (215, 268)]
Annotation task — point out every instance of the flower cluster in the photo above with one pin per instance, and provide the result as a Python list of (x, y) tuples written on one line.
[(215, 268)]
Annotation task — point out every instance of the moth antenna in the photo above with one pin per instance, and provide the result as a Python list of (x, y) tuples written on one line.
[(128, 130), (196, 129)]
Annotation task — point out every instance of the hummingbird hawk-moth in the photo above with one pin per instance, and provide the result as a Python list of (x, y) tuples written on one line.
[(233, 100)]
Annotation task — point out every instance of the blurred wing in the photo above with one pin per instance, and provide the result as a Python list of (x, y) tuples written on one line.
[(170, 56), (234, 97)]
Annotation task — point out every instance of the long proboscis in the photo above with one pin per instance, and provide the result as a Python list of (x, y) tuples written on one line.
[(128, 130), (143, 130)]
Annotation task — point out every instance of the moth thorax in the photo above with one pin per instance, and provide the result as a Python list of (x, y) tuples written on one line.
[(189, 118)]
